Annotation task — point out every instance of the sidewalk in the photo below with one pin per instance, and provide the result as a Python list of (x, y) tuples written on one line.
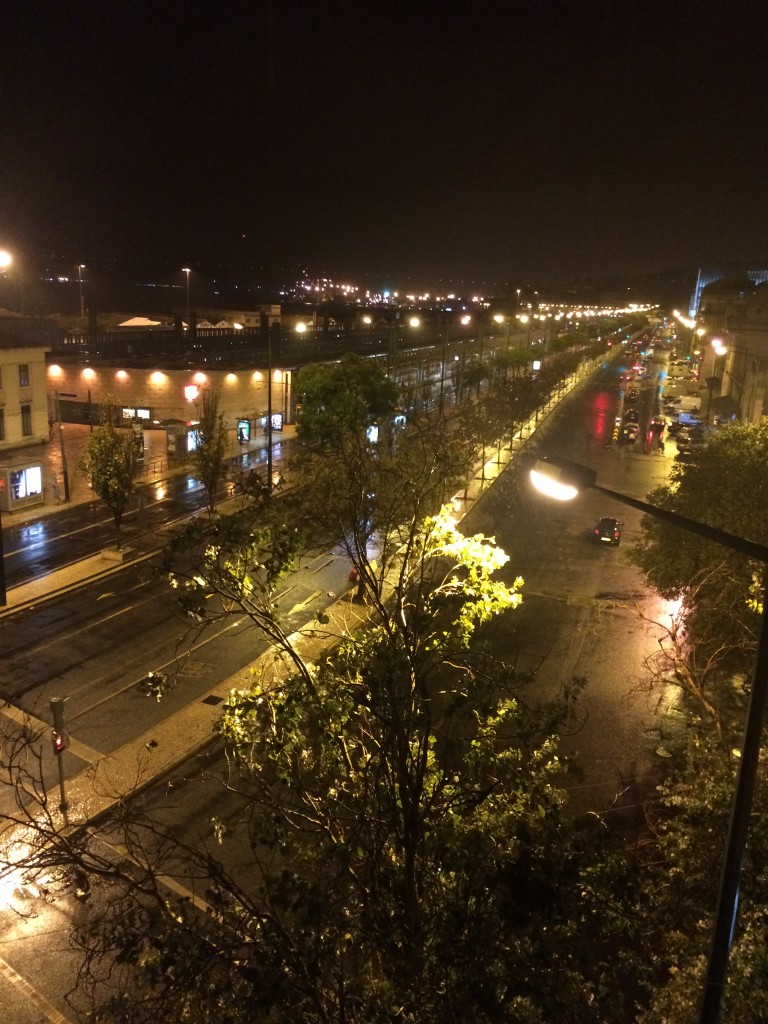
[(155, 468)]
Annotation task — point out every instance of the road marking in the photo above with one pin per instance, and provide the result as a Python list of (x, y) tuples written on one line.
[(324, 565), (48, 1010), (303, 604)]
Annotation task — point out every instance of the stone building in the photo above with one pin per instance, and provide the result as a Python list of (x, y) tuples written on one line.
[(23, 389), (733, 316)]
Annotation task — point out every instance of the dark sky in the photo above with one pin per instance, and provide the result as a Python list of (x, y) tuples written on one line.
[(473, 141)]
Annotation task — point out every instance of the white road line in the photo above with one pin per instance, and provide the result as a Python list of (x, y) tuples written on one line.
[(46, 1009)]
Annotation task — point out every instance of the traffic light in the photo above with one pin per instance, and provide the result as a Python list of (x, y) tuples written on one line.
[(59, 737), (60, 741)]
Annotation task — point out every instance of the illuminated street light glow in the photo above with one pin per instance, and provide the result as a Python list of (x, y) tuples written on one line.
[(5, 259)]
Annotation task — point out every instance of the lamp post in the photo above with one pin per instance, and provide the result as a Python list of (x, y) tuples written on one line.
[(3, 595), (443, 356), (187, 271), (6, 259), (562, 479), (80, 269), (715, 382), (526, 321), (64, 470)]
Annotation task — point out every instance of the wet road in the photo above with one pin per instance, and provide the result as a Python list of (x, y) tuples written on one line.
[(586, 612)]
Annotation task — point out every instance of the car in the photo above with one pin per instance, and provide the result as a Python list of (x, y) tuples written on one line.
[(630, 416), (632, 395), (607, 531), (687, 439), (657, 425)]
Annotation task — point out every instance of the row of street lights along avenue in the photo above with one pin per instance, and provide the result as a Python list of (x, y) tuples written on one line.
[(563, 480)]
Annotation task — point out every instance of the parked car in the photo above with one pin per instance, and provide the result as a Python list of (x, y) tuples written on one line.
[(687, 439), (607, 531)]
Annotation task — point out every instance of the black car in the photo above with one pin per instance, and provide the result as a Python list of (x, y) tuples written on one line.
[(607, 531)]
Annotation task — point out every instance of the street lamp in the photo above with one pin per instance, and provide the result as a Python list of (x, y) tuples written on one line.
[(443, 356), (187, 271), (80, 269), (715, 382), (526, 320), (562, 479), (6, 259)]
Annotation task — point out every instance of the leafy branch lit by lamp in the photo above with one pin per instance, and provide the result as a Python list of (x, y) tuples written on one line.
[(562, 479)]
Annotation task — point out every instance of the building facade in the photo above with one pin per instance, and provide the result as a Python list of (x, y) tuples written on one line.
[(733, 324), (23, 391), (156, 398)]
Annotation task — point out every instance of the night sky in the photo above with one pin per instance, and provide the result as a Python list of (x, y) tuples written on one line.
[(432, 140)]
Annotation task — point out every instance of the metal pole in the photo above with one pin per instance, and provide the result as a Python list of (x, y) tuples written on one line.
[(63, 805), (64, 473), (728, 896), (443, 358), (189, 304), (80, 286), (269, 409), (3, 595), (57, 710)]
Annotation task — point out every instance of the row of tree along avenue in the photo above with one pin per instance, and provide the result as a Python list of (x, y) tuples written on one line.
[(409, 855)]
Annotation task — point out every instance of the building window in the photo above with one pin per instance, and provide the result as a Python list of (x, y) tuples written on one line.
[(26, 420), (24, 376), (2, 424)]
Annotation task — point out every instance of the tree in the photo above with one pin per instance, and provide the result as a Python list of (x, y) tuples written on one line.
[(109, 461), (336, 397), (727, 487), (409, 857), (678, 878), (208, 456)]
